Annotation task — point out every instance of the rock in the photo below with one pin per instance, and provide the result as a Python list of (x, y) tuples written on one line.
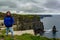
[(38, 27)]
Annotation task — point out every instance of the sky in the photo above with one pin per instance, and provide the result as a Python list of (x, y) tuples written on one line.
[(30, 6)]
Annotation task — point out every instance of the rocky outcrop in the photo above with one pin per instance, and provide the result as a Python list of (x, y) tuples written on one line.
[(27, 24), (38, 27), (31, 25)]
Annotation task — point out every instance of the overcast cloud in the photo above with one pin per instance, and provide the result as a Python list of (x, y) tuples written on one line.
[(31, 6)]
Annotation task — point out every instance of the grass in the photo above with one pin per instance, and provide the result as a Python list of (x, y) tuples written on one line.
[(23, 37)]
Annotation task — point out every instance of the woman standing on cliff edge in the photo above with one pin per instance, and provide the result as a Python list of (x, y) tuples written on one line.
[(9, 21)]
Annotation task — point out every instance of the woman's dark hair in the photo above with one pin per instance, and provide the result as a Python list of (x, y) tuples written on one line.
[(8, 12)]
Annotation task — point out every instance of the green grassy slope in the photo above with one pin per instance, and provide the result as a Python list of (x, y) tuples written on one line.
[(27, 37)]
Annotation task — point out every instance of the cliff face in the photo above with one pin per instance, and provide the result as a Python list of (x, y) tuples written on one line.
[(31, 25), (38, 26), (35, 23)]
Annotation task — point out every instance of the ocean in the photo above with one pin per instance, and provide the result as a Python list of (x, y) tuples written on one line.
[(48, 23)]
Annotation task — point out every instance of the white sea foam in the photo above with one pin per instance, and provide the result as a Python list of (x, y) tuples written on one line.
[(48, 31)]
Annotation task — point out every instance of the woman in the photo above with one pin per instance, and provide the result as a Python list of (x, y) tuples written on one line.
[(8, 21)]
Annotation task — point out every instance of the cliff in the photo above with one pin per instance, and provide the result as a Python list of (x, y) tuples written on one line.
[(25, 22), (29, 22)]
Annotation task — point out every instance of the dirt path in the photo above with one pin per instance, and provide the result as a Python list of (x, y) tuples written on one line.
[(23, 32)]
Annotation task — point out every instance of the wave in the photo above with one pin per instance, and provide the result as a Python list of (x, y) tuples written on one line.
[(48, 31)]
